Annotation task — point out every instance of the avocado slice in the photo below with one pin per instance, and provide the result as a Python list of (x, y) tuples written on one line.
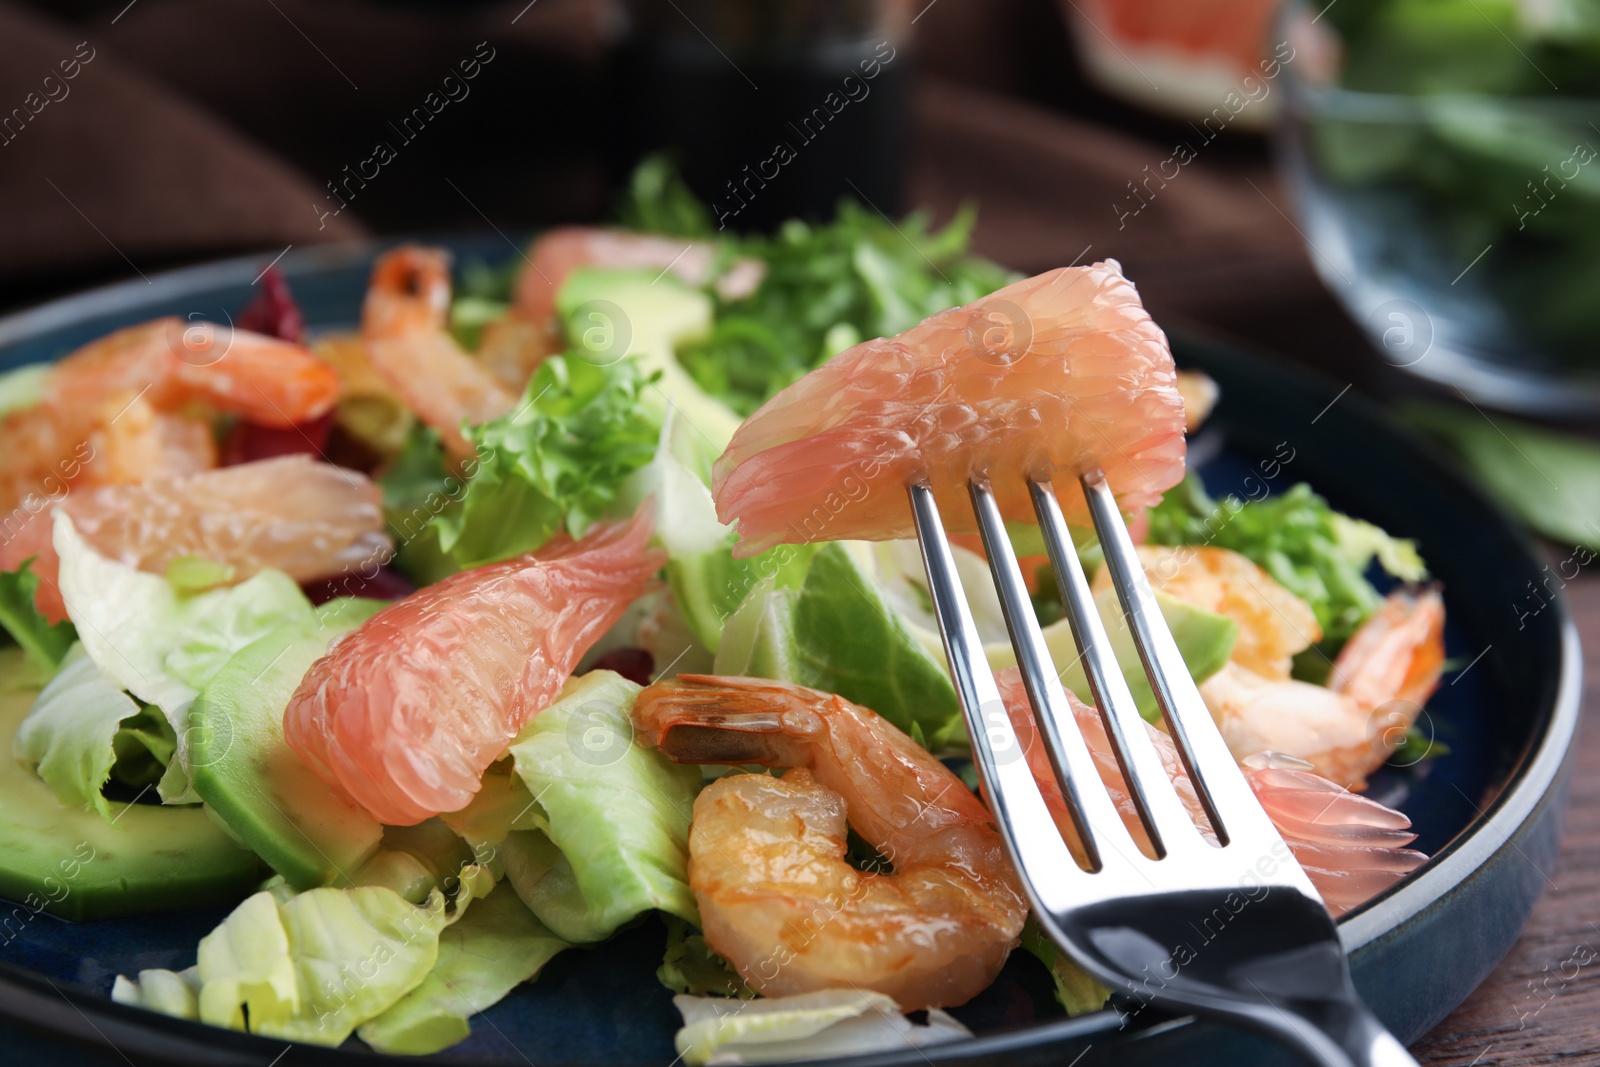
[(77, 865), (253, 781), (609, 314)]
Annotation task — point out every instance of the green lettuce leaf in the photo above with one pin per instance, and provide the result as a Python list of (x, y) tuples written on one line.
[(645, 317), (612, 816), (1077, 990), (45, 644), (160, 646), (495, 947), (657, 200), (417, 487), (688, 965), (68, 737), (144, 745), (806, 1026), (554, 464), (708, 584), (501, 805), (1316, 553), (309, 967), (827, 286), (416, 860), (862, 626), (850, 639), (174, 993)]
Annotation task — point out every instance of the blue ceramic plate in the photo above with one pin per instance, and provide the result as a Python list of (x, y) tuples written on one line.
[(1488, 812)]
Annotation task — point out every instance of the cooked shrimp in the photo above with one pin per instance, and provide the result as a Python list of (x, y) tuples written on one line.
[(110, 409), (559, 252), (767, 861), (1352, 848), (403, 326), (171, 363), (1274, 624), (1389, 667)]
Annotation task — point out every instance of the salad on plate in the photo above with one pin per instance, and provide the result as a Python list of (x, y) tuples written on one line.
[(561, 595)]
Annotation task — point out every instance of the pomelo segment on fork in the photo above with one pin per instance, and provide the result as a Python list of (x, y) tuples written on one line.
[(405, 713), (1051, 375)]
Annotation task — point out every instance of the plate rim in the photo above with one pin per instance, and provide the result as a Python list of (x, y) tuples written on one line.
[(1537, 772)]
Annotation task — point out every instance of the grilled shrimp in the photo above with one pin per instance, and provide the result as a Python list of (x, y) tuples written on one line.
[(403, 327), (1352, 848), (767, 861)]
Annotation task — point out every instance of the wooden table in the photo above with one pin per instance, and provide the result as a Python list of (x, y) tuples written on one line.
[(1542, 1004)]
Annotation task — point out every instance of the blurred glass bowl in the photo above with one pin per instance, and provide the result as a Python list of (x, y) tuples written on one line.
[(1462, 229)]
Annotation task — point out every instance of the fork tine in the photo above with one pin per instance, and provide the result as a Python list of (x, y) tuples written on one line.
[(1228, 800), (1092, 812), (1030, 834), (1164, 816)]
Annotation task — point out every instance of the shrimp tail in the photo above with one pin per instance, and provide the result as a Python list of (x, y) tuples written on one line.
[(1397, 654), (704, 718)]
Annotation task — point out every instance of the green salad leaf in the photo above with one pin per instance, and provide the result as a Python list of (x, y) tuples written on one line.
[(1318, 554), (657, 200), (1549, 480), (494, 948), (554, 464), (45, 643), (144, 745), (690, 966), (1076, 989), (161, 646), (849, 639), (68, 737), (611, 816), (805, 1026), (708, 583), (309, 967), (828, 287), (1469, 46), (418, 487)]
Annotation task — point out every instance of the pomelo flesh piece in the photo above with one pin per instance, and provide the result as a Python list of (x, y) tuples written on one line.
[(1049, 376), (407, 712)]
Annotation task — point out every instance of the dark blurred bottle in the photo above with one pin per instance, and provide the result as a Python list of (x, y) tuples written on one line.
[(773, 108)]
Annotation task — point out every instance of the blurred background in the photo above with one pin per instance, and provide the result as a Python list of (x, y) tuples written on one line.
[(208, 127), (1434, 185)]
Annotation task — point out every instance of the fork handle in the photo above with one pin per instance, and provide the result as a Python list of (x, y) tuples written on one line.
[(1386, 1051), (1344, 1034)]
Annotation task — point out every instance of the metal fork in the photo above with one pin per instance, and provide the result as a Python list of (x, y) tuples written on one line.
[(1233, 930)]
